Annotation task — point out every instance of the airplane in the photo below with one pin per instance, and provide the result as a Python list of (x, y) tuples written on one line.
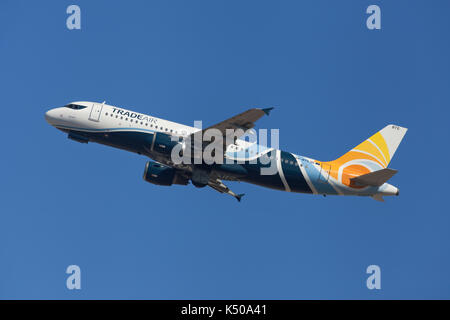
[(362, 171)]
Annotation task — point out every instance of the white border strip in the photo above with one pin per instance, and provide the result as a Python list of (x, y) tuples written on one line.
[(369, 154), (280, 171), (305, 175), (382, 154)]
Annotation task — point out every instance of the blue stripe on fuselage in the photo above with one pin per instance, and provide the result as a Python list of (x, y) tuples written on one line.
[(293, 174), (139, 140)]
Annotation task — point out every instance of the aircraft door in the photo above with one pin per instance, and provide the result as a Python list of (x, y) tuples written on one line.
[(324, 172), (95, 112)]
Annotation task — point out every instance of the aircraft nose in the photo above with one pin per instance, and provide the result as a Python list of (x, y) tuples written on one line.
[(50, 116)]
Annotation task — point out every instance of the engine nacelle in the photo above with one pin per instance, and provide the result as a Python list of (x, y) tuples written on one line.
[(162, 175), (163, 143)]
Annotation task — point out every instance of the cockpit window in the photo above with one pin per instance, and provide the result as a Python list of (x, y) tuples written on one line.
[(75, 106)]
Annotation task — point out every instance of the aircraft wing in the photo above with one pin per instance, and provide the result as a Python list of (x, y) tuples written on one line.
[(218, 185), (245, 120)]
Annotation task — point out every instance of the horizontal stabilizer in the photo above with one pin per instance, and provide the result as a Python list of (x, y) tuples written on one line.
[(376, 178), (378, 197)]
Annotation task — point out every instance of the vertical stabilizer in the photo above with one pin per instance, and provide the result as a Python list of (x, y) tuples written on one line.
[(373, 154), (378, 149)]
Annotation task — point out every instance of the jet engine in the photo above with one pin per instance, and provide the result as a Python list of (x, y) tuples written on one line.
[(164, 143), (162, 175)]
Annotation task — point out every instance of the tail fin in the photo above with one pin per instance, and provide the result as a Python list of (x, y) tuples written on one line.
[(378, 149)]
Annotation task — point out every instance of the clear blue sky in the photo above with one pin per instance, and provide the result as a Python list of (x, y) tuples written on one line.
[(333, 83)]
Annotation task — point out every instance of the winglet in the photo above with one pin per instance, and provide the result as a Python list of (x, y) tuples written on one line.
[(267, 110), (239, 196)]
